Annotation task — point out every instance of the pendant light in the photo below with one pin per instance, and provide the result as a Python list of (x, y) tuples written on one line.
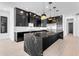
[(54, 11), (43, 16), (50, 4)]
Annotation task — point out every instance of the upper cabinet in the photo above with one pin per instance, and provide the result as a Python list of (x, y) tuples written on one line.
[(37, 22), (35, 19), (31, 17), (56, 19), (21, 17)]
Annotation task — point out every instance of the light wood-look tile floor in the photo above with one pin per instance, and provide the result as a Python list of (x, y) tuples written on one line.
[(11, 48), (69, 46)]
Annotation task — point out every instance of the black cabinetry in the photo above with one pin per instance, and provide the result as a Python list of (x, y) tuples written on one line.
[(21, 17), (48, 41), (37, 22), (3, 24), (19, 36), (56, 19), (31, 17), (35, 19)]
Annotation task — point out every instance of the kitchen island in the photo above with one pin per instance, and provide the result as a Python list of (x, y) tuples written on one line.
[(35, 44)]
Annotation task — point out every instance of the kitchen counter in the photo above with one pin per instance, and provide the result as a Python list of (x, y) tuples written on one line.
[(28, 29), (19, 35)]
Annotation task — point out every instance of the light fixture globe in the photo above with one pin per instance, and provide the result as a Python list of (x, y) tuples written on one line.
[(43, 17)]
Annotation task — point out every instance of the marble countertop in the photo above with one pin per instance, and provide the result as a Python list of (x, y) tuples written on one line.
[(25, 29)]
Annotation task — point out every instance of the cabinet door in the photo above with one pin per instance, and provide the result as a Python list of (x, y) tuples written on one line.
[(19, 21), (3, 24), (21, 17)]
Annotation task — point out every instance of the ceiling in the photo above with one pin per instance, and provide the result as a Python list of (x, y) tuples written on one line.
[(66, 8)]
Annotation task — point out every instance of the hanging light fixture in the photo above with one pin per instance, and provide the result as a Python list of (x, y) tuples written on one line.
[(50, 4), (54, 11), (43, 16), (54, 19)]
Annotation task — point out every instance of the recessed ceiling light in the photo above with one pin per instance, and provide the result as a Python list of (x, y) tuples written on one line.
[(21, 12)]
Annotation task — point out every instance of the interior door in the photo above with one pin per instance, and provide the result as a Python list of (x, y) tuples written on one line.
[(70, 28)]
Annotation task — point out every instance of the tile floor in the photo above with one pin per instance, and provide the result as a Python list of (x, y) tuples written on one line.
[(69, 46), (10, 48)]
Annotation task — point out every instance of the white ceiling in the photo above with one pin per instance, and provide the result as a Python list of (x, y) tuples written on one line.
[(66, 8)]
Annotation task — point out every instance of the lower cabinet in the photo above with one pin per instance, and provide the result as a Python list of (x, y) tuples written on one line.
[(47, 41), (19, 36)]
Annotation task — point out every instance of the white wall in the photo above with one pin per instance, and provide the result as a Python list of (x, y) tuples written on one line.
[(11, 24), (65, 24), (6, 9), (75, 24)]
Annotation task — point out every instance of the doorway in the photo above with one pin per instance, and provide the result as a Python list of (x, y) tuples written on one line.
[(70, 28)]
